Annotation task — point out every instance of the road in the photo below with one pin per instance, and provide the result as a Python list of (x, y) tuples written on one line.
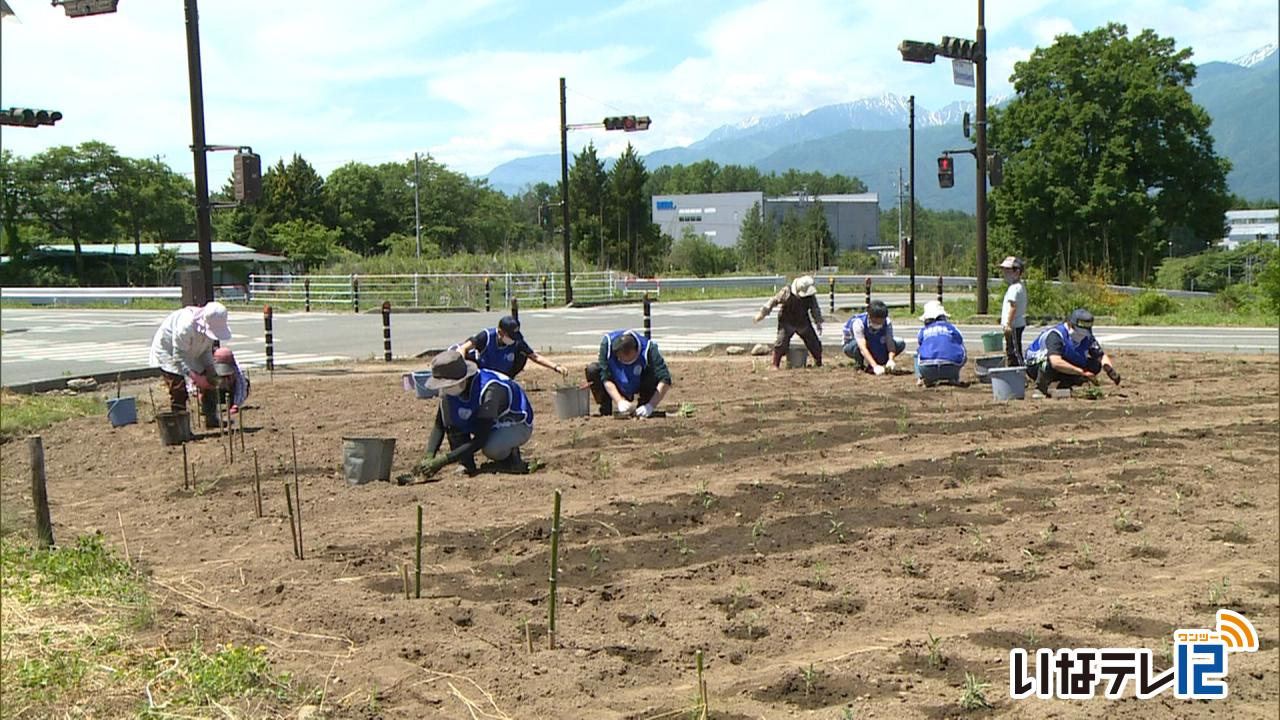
[(46, 344)]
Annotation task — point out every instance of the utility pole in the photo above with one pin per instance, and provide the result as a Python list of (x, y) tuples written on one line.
[(417, 216), (911, 242), (204, 231), (564, 195), (980, 114)]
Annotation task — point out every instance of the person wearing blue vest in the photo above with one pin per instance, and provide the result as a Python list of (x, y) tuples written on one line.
[(942, 351), (480, 411), (1069, 354), (629, 374), (869, 341), (503, 349)]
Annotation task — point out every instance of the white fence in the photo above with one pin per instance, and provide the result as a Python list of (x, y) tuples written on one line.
[(55, 295)]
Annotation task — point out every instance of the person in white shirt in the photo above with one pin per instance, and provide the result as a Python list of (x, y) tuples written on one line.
[(1013, 311), (183, 349)]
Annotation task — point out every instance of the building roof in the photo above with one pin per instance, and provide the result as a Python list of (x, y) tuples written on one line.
[(842, 198), (126, 248), (1270, 214)]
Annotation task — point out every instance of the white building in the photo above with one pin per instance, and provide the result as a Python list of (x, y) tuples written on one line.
[(1245, 226)]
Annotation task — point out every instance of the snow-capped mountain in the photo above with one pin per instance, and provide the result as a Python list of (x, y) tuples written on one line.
[(1256, 56)]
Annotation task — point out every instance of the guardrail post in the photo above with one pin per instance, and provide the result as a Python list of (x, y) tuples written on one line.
[(832, 281), (306, 294), (266, 321), (939, 288), (248, 290), (648, 333), (386, 330), (545, 305), (868, 291), (487, 284), (416, 302), (515, 308), (355, 293)]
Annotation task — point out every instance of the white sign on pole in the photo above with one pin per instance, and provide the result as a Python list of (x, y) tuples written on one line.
[(962, 72)]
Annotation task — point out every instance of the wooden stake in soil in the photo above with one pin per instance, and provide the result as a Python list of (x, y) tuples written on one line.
[(404, 573), (293, 529), (417, 572), (528, 637), (257, 484), (297, 492), (702, 691), (231, 438), (555, 547), (241, 426), (39, 494), (128, 560), (152, 395), (186, 479)]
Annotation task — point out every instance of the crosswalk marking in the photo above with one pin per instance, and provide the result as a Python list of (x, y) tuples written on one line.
[(27, 350)]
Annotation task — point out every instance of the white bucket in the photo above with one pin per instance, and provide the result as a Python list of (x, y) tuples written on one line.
[(572, 402), (1008, 383)]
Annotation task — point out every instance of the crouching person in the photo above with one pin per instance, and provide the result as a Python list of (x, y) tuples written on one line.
[(629, 375), (942, 352), (869, 341), (233, 384), (480, 411), (1069, 354)]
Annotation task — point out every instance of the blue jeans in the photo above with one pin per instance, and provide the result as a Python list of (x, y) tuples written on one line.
[(854, 353)]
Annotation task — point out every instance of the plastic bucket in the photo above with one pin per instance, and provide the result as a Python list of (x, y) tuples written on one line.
[(933, 374), (420, 378), (406, 380), (122, 411), (572, 402), (983, 365), (1009, 383), (797, 357), (365, 459), (174, 427), (993, 341)]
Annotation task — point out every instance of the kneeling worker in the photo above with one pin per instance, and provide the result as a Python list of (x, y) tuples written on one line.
[(629, 374), (942, 352), (869, 341), (503, 349), (1069, 354), (480, 411)]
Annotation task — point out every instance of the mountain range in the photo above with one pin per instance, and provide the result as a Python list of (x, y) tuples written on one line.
[(867, 139)]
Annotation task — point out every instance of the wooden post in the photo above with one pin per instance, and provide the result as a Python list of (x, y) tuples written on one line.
[(487, 288), (39, 493), (417, 571), (545, 305), (939, 288), (257, 484), (306, 290), (186, 478), (551, 599), (297, 493), (515, 307), (355, 293), (293, 529)]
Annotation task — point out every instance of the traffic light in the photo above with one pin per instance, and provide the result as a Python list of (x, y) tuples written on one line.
[(916, 51), (946, 172), (959, 48), (544, 216), (995, 169), (247, 177), (627, 123), (26, 117)]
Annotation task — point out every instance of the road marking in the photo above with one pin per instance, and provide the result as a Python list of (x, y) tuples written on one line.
[(23, 350)]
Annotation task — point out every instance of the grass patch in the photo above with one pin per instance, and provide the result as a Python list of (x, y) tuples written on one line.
[(22, 414)]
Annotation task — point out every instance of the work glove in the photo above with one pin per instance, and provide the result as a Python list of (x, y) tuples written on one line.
[(431, 465), (200, 381), (891, 366), (878, 370), (759, 316), (625, 406), (645, 410), (1113, 374)]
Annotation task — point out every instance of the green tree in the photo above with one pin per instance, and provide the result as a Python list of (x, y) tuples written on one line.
[(1106, 154), (698, 256), (357, 205), (756, 239), (637, 242), (588, 191), (291, 192), (305, 241), (153, 201), (73, 192)]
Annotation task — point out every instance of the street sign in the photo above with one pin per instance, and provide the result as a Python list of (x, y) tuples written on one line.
[(962, 72)]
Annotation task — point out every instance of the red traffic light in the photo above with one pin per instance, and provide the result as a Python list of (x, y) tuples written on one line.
[(627, 123), (946, 172)]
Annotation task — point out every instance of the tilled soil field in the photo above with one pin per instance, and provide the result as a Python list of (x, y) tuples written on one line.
[(837, 545)]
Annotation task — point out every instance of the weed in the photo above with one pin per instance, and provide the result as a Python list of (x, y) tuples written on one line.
[(600, 467), (705, 496), (575, 438), (923, 516), (597, 557), (911, 567), (880, 463), (682, 545), (1032, 570), (847, 714), (974, 697), (1085, 560), (820, 574), (1048, 503), (936, 660), (1240, 500), (1166, 651), (757, 531), (1124, 523), (687, 409), (1208, 470), (1219, 591), (660, 458), (1046, 535), (1177, 503), (1032, 638), (720, 455), (22, 414), (1093, 392), (810, 675), (779, 496), (902, 422), (837, 529)]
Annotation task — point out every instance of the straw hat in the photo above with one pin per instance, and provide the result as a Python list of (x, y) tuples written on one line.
[(803, 287), (932, 311)]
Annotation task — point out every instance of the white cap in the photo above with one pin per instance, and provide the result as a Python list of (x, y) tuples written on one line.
[(932, 311), (803, 286), (214, 317)]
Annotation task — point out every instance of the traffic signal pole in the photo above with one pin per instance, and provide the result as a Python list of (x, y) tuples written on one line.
[(204, 231), (980, 114), (911, 241), (564, 196)]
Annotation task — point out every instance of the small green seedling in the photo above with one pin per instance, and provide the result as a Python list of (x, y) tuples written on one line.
[(974, 697), (1219, 591), (810, 675), (911, 567), (936, 660), (686, 409)]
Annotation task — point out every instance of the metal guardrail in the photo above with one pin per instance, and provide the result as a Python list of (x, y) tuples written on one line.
[(924, 283), (76, 294)]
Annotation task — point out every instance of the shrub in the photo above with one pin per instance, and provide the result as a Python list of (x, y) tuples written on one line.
[(1150, 302)]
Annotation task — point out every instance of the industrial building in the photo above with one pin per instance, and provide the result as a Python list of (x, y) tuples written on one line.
[(854, 219)]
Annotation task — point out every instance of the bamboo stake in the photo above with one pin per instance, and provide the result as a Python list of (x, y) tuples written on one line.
[(152, 395), (555, 547), (257, 484), (293, 530), (417, 573), (528, 637), (186, 475), (702, 690), (404, 572), (231, 437), (39, 493), (297, 491), (128, 560), (241, 429)]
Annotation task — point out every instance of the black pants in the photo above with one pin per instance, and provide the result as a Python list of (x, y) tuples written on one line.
[(807, 334), (1045, 375), (648, 388), (1013, 348)]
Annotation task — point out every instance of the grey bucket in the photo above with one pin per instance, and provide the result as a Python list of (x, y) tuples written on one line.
[(420, 378), (797, 357), (365, 459), (174, 427), (572, 402), (983, 365), (1009, 383), (122, 411)]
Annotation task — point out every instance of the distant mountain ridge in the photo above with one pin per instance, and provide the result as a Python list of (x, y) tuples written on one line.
[(867, 139)]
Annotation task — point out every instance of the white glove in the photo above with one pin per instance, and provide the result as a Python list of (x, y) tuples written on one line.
[(879, 370), (891, 366), (625, 406), (759, 316), (644, 411)]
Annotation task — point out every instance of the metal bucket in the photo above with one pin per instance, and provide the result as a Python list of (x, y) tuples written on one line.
[(993, 341), (365, 459), (420, 378), (797, 357), (174, 427), (983, 365), (1009, 383), (572, 402), (122, 411)]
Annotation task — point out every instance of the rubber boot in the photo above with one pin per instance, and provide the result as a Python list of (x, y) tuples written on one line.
[(777, 359)]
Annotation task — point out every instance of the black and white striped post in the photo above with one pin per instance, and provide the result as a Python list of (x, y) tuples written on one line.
[(386, 330), (939, 288), (868, 291), (515, 308), (487, 288), (355, 293), (306, 294), (648, 326), (545, 304), (271, 352), (832, 281)]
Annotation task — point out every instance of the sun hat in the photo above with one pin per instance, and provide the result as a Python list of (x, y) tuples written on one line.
[(1011, 263), (803, 287), (511, 327), (224, 362), (1081, 321), (214, 318), (450, 368), (932, 311)]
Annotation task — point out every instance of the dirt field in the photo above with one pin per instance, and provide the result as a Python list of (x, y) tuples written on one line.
[(806, 519)]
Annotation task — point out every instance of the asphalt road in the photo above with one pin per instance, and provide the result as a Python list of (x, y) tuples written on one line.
[(47, 344)]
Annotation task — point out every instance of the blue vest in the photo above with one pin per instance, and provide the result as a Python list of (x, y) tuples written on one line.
[(496, 356), (460, 411), (874, 338), (627, 377), (939, 340), (1077, 354)]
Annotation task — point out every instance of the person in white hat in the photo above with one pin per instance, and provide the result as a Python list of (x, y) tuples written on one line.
[(799, 303), (183, 349), (942, 351), (1013, 311)]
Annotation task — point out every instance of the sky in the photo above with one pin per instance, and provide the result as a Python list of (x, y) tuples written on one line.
[(475, 83)]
